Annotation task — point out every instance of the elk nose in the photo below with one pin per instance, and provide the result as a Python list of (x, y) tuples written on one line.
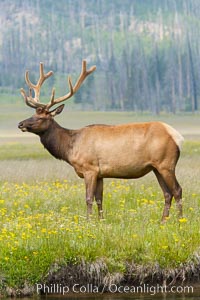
[(20, 125)]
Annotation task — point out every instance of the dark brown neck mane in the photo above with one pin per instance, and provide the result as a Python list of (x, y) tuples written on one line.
[(57, 140)]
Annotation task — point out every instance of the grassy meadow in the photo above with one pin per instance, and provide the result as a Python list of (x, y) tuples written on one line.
[(42, 208)]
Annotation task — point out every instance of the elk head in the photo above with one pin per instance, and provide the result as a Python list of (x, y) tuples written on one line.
[(43, 117)]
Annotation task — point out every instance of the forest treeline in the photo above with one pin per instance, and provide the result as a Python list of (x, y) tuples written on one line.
[(147, 52)]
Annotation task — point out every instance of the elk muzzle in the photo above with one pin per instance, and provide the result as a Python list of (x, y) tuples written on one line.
[(26, 125), (22, 126)]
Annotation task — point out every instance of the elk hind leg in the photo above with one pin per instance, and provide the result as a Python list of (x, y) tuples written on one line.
[(167, 195), (170, 180), (178, 198)]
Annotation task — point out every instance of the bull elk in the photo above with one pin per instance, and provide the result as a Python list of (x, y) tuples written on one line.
[(106, 151)]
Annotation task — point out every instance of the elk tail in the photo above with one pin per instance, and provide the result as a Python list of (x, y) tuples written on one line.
[(176, 136)]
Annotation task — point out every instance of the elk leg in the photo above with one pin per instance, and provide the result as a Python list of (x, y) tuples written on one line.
[(167, 195), (178, 198), (174, 187), (90, 184), (99, 196)]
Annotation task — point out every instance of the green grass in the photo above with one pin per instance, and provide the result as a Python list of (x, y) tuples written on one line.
[(191, 148), (18, 151), (42, 207), (43, 222)]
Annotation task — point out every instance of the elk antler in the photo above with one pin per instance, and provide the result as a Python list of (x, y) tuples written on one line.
[(34, 102), (73, 90)]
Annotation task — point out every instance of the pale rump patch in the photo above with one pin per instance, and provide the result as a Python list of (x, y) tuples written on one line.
[(177, 137)]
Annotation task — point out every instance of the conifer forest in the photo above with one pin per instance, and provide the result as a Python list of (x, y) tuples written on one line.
[(147, 52)]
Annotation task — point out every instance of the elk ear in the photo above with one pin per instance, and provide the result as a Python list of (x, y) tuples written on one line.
[(57, 110)]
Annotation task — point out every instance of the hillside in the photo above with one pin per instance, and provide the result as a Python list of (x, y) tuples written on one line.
[(147, 52)]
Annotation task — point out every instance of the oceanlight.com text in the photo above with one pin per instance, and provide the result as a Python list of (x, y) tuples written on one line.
[(112, 288), (150, 289)]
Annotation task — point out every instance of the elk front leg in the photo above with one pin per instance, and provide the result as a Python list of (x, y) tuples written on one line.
[(90, 184), (99, 197)]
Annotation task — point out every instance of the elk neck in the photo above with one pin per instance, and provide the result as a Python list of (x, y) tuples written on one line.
[(58, 140)]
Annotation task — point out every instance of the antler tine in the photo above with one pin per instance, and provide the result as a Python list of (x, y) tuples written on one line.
[(43, 76), (83, 75), (36, 87), (63, 98), (29, 99), (73, 90), (26, 98), (51, 102)]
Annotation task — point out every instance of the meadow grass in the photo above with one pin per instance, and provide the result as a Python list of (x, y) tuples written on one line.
[(42, 206), (12, 114), (43, 219)]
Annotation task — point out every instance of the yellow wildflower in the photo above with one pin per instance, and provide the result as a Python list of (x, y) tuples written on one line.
[(134, 236), (164, 247), (183, 220)]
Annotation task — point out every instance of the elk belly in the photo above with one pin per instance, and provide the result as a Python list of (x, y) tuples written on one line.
[(120, 169)]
